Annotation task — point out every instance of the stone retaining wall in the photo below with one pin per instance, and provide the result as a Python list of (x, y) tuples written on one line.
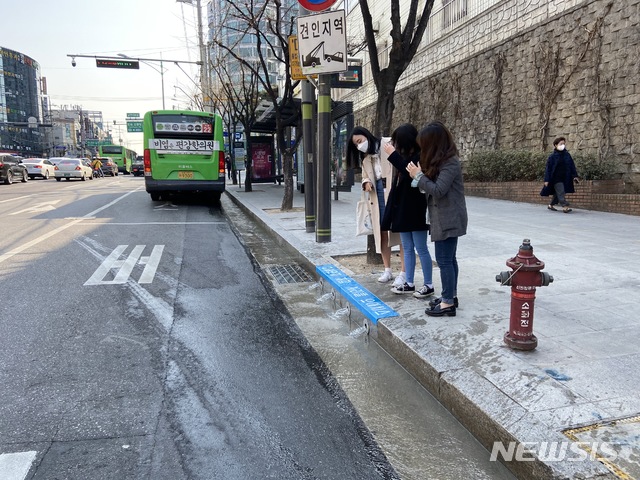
[(575, 74)]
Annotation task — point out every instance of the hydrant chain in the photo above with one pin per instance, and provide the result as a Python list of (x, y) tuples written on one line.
[(508, 280)]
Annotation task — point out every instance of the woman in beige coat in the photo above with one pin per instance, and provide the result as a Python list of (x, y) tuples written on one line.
[(377, 175)]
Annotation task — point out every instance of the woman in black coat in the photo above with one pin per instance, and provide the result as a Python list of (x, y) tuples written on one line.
[(560, 175), (406, 211)]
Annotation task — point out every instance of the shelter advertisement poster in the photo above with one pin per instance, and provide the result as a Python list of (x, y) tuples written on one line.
[(261, 160)]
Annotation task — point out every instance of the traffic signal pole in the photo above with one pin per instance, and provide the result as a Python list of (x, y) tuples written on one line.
[(126, 62)]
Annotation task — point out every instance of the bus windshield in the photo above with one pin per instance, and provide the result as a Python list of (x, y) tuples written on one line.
[(111, 149)]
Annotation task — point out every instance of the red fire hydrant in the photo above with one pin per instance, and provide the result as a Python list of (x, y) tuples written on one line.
[(524, 279)]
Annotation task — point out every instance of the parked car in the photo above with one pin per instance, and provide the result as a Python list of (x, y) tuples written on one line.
[(11, 167), (73, 168), (109, 167), (137, 167), (39, 167)]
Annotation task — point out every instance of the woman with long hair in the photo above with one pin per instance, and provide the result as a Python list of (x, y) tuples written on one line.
[(439, 177), (363, 149), (406, 211)]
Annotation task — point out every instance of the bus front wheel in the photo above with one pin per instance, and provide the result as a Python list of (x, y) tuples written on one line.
[(155, 196)]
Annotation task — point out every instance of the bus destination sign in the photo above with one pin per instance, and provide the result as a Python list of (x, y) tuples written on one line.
[(170, 145)]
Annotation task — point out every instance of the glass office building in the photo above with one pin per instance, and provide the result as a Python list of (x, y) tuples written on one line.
[(19, 101)]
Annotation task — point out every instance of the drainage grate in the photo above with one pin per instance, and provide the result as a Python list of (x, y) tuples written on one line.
[(290, 274), (614, 443)]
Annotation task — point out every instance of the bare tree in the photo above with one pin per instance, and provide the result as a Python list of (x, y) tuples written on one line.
[(404, 45), (222, 103), (271, 24), (238, 96)]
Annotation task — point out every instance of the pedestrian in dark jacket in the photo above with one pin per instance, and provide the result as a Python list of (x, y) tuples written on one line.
[(560, 174), (439, 176), (406, 211)]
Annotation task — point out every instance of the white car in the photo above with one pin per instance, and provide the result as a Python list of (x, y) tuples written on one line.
[(73, 168), (39, 167), (55, 160)]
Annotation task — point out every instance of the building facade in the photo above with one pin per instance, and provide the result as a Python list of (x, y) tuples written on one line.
[(514, 74), (20, 104), (76, 132), (228, 25)]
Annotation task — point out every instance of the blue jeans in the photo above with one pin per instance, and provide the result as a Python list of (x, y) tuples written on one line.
[(446, 258), (417, 241), (380, 193)]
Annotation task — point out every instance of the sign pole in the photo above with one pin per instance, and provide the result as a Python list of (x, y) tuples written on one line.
[(308, 135), (308, 144), (323, 229), (322, 49)]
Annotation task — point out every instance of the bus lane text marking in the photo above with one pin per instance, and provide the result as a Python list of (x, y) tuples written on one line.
[(125, 266)]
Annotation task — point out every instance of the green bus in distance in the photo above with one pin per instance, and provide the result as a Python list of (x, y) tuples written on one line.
[(183, 153), (122, 156)]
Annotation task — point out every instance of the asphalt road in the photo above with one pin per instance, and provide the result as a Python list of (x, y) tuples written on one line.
[(139, 340)]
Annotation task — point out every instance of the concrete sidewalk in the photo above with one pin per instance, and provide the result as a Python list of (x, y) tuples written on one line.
[(584, 372)]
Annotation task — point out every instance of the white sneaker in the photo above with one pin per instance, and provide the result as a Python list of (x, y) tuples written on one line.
[(385, 277), (400, 280)]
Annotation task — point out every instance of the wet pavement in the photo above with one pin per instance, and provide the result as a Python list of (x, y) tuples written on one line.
[(418, 436), (581, 383)]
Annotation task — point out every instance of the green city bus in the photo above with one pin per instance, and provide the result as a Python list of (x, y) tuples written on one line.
[(122, 156), (183, 153)]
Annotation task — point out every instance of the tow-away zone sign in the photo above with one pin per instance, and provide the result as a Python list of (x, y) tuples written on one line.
[(322, 42)]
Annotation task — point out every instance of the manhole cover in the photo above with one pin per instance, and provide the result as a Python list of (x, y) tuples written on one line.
[(615, 443), (290, 274)]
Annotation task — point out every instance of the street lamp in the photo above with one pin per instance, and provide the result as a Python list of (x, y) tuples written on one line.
[(161, 71)]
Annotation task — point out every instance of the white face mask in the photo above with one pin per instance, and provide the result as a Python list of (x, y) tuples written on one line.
[(560, 147), (364, 146)]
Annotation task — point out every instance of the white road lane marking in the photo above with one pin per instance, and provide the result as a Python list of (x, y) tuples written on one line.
[(125, 267), (15, 466), (35, 241), (15, 198), (41, 207)]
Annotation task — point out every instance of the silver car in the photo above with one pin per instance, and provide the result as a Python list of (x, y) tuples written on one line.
[(39, 167), (73, 168)]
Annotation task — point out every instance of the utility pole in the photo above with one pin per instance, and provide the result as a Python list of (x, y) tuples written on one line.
[(204, 65)]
